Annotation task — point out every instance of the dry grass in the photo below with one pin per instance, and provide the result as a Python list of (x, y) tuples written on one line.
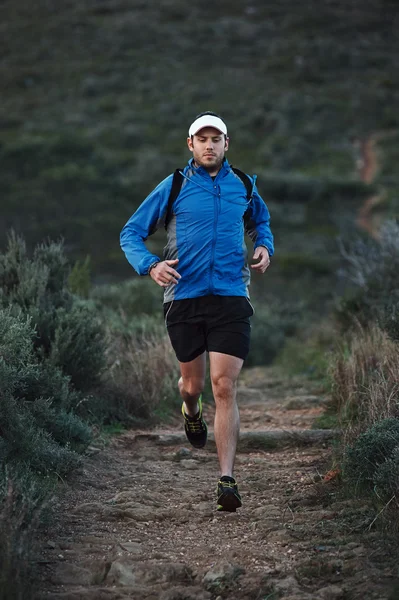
[(19, 519), (365, 379), (143, 374)]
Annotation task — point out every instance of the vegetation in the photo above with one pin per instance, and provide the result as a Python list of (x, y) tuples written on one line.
[(65, 365), (365, 369), (97, 100), (373, 271)]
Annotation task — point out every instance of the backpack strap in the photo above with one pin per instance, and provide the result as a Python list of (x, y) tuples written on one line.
[(249, 186), (178, 181), (174, 192), (246, 181)]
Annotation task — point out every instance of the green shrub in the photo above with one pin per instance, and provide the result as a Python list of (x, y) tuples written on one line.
[(67, 329), (23, 441), (372, 268), (133, 297), (78, 345), (371, 450), (22, 499), (65, 428), (386, 477), (271, 325), (79, 278), (33, 431), (309, 352)]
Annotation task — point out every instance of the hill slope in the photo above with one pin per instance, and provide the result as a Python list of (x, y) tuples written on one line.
[(98, 95)]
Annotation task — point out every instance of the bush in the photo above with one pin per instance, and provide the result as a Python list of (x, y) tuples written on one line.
[(135, 297), (67, 329), (309, 352), (372, 268), (78, 345), (22, 499), (65, 428), (386, 477), (374, 456), (27, 421), (79, 278), (272, 324)]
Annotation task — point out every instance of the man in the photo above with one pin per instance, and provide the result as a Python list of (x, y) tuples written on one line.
[(205, 276)]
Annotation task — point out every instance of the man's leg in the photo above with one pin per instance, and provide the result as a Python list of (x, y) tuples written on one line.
[(224, 370), (191, 383)]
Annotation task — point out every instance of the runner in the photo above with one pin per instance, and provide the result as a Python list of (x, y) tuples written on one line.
[(206, 208)]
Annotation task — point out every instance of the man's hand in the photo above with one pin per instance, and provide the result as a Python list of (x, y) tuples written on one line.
[(261, 254), (164, 274)]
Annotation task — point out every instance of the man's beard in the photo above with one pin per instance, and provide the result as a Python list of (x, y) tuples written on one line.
[(218, 160)]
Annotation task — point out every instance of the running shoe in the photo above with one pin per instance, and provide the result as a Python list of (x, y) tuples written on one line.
[(229, 498), (195, 427)]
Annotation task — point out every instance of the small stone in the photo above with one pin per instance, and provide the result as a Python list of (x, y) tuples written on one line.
[(287, 585), (182, 453), (203, 508), (132, 547), (222, 574), (51, 544), (331, 592), (189, 464)]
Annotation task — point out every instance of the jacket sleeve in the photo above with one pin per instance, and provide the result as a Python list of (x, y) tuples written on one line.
[(257, 223), (149, 216)]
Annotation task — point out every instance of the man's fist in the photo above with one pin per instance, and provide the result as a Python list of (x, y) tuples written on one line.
[(164, 274), (261, 254)]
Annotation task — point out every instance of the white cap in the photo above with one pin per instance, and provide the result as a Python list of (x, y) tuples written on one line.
[(207, 121)]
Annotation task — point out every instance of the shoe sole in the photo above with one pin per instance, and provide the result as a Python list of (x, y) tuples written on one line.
[(228, 502), (196, 446)]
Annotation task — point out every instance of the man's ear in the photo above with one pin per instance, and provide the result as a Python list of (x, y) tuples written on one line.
[(190, 144), (226, 144)]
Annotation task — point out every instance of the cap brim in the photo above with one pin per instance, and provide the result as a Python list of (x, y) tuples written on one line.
[(207, 121)]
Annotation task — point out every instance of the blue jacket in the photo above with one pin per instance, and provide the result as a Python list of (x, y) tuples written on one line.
[(206, 233)]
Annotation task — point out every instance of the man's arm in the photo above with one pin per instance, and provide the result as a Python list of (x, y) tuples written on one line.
[(144, 222), (257, 226)]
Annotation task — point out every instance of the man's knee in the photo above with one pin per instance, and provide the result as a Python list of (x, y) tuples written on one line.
[(193, 386), (224, 388)]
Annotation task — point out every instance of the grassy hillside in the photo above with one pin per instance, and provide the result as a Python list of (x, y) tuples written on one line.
[(98, 95)]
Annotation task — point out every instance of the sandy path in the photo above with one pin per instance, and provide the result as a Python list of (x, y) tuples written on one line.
[(139, 521)]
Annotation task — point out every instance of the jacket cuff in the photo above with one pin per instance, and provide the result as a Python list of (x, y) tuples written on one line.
[(270, 249), (146, 263)]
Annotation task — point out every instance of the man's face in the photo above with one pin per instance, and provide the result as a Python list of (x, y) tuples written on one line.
[(208, 146)]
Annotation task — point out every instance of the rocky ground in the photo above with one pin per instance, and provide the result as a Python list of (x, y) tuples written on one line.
[(139, 520)]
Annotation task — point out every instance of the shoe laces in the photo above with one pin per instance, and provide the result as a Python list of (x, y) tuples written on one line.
[(229, 484), (195, 426)]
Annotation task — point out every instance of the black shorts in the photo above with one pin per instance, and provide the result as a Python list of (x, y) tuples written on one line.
[(211, 323)]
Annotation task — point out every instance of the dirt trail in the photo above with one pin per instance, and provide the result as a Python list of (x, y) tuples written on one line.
[(139, 520)]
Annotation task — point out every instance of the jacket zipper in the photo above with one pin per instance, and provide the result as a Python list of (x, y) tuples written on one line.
[(215, 225), (216, 202)]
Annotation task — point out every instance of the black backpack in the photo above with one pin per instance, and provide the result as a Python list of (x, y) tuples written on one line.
[(178, 181)]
